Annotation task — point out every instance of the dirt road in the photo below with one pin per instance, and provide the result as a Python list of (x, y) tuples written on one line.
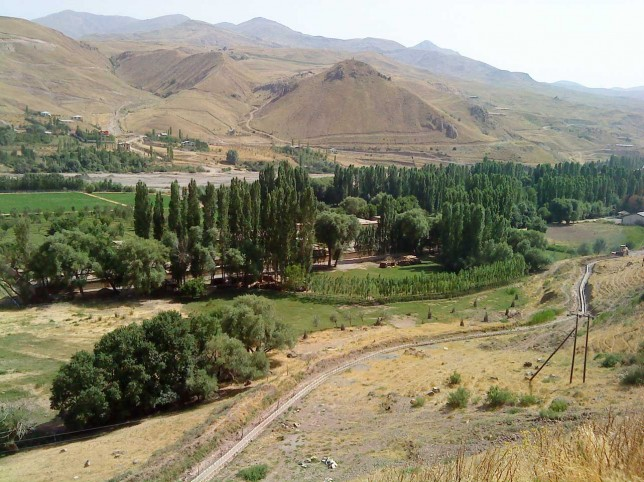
[(206, 470)]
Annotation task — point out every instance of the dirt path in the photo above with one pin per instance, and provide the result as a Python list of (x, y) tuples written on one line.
[(206, 470), (105, 199)]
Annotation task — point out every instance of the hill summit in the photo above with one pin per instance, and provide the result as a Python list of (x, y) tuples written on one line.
[(351, 98)]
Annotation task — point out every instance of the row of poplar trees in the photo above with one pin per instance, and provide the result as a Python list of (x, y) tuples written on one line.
[(247, 228)]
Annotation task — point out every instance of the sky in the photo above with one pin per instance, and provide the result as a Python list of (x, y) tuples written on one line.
[(598, 43)]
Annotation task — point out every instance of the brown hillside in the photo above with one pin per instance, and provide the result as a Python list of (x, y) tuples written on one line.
[(166, 72), (46, 70), (351, 98)]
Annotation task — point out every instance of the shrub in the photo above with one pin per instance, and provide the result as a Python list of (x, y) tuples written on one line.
[(194, 288), (583, 249), (558, 405), (253, 473), (497, 397), (611, 360), (454, 379), (548, 414), (418, 402), (528, 400), (543, 316), (458, 398), (634, 376)]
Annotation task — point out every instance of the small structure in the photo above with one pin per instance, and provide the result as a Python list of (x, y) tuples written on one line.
[(188, 144), (124, 146), (77, 117), (45, 114), (104, 133), (636, 219), (623, 214)]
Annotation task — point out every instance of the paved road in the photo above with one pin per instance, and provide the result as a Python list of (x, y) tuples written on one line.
[(207, 470)]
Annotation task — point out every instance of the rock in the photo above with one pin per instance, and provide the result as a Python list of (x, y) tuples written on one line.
[(445, 348), (296, 425), (314, 459), (539, 360), (527, 364), (76, 477), (62, 451), (135, 462), (87, 463), (436, 390), (291, 355)]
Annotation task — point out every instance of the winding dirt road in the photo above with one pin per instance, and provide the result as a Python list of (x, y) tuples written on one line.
[(206, 470)]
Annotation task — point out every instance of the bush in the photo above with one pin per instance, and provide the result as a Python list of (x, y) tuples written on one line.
[(559, 405), (599, 246), (458, 398), (295, 278), (454, 379), (611, 360), (634, 376), (418, 402), (232, 156), (528, 400), (548, 414), (543, 316), (194, 288), (497, 397), (583, 249), (253, 473)]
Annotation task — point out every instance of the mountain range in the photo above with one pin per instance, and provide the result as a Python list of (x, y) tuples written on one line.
[(260, 81)]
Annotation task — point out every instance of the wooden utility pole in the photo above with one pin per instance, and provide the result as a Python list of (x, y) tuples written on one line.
[(574, 348), (586, 347)]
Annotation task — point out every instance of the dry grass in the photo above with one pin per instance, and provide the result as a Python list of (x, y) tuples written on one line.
[(596, 451)]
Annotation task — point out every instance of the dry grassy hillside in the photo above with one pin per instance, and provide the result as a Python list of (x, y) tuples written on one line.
[(351, 98), (46, 70)]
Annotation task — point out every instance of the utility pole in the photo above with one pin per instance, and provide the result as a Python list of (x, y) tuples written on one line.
[(574, 348), (586, 348)]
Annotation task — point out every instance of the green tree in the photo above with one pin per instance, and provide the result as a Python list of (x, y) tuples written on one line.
[(252, 320), (232, 156), (142, 211), (412, 229), (193, 212), (158, 217), (336, 231), (174, 213), (143, 264)]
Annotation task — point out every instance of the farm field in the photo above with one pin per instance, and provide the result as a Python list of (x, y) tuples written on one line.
[(48, 201), (587, 232)]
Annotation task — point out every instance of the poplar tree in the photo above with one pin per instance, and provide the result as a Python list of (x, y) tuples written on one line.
[(158, 217), (174, 214), (142, 211)]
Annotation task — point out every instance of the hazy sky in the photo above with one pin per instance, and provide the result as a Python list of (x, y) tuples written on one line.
[(599, 43)]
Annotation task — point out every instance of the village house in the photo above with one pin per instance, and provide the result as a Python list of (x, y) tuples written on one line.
[(636, 219)]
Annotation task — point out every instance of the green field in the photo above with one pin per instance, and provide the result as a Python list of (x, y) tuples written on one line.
[(587, 232), (372, 270), (47, 201), (300, 312)]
